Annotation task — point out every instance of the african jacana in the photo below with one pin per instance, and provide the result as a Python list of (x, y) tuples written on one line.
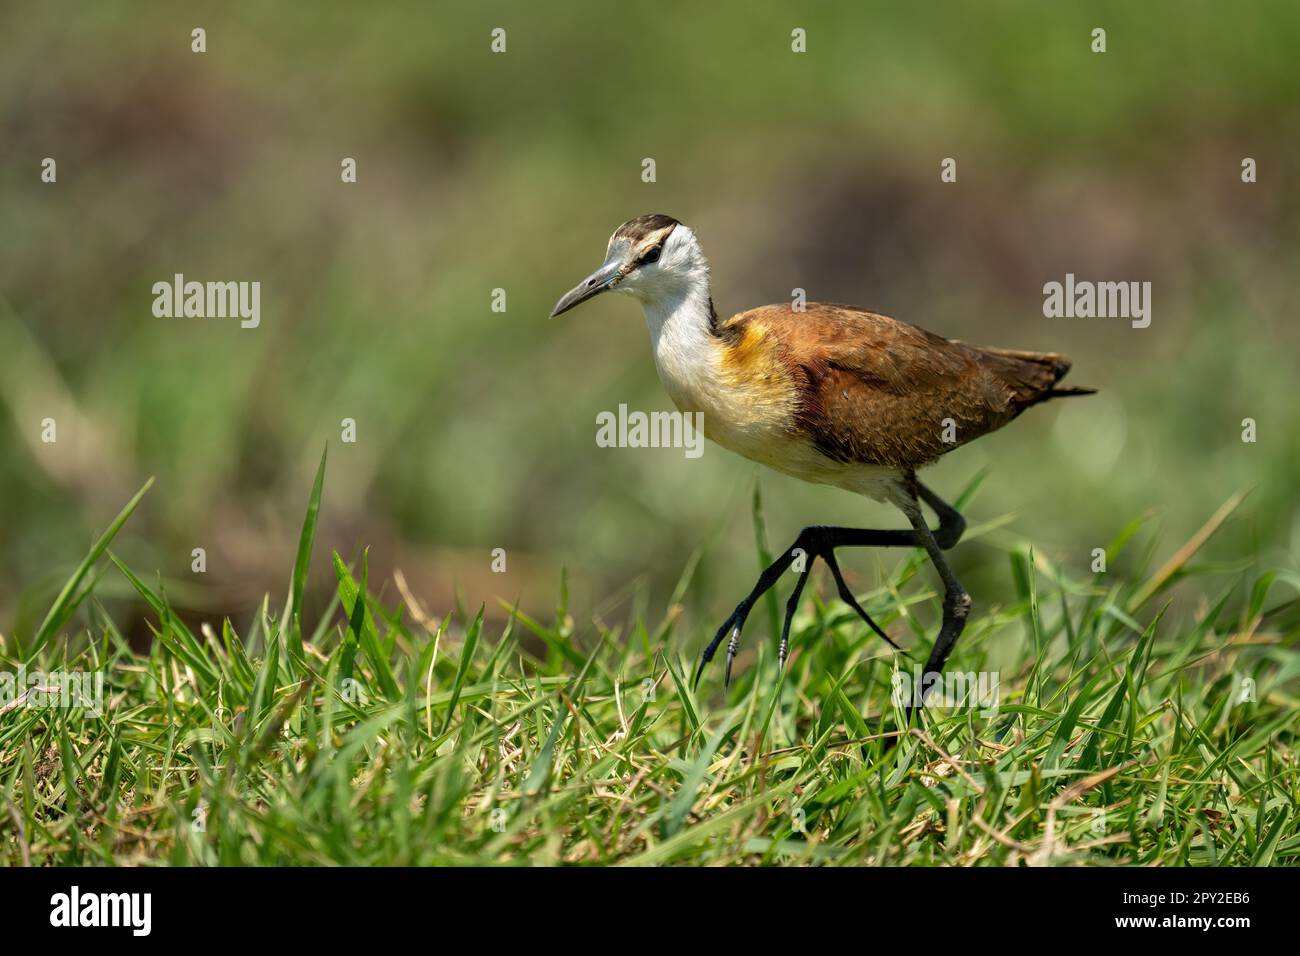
[(831, 394)]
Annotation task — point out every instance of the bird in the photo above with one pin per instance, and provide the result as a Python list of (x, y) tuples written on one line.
[(827, 393)]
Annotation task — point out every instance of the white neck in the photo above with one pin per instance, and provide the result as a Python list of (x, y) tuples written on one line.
[(683, 344), (675, 297), (680, 318)]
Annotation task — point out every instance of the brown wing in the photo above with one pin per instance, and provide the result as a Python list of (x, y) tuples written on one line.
[(878, 391)]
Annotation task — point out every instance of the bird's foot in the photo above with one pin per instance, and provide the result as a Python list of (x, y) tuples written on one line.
[(812, 543), (733, 625)]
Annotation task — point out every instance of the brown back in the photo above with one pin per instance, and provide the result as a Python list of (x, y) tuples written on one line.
[(877, 391)]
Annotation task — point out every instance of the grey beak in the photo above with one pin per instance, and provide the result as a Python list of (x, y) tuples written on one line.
[(599, 281)]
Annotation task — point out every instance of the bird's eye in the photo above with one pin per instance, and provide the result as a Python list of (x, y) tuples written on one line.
[(652, 255)]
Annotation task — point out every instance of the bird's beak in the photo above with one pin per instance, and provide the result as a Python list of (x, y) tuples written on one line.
[(599, 281)]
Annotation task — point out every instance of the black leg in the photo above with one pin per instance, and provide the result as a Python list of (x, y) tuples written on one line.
[(956, 602), (791, 606), (847, 597), (951, 523), (819, 541)]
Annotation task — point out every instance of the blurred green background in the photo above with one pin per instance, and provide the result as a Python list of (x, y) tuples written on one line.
[(476, 430)]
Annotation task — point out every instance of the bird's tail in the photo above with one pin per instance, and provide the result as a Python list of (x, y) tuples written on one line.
[(1032, 376), (1066, 392)]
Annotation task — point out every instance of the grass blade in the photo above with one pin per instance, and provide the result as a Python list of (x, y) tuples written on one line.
[(362, 626), (293, 613), (64, 606), (1184, 554), (466, 656)]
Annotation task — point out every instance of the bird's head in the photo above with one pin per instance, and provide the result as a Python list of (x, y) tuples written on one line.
[(651, 258)]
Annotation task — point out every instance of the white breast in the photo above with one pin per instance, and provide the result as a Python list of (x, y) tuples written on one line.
[(753, 419), (755, 423), (688, 358)]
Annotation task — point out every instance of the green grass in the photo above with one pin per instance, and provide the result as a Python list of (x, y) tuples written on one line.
[(377, 735)]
